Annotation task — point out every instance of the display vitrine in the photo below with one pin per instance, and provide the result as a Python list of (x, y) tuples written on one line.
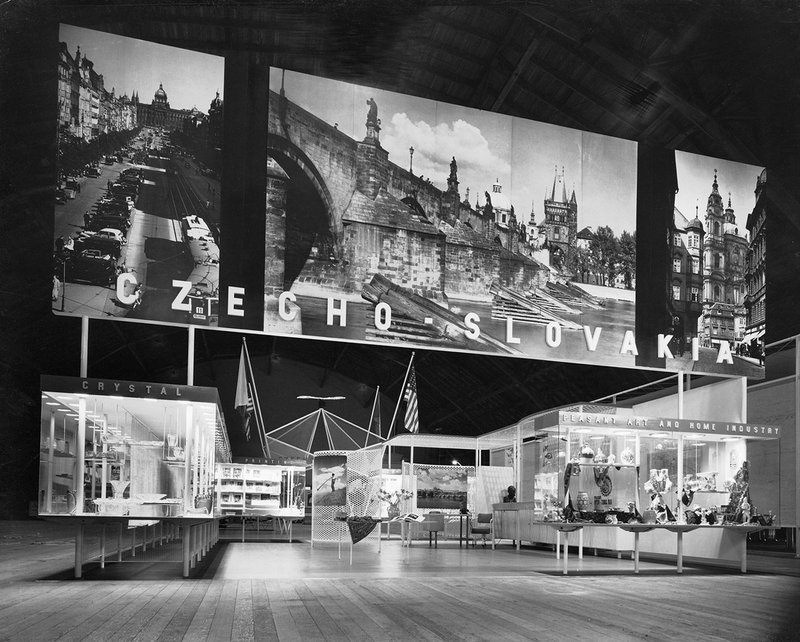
[(260, 489), (127, 448), (605, 465)]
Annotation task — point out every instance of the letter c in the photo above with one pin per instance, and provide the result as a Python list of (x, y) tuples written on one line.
[(283, 311)]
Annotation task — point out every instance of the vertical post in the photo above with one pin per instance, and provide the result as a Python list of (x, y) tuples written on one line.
[(186, 546), (84, 346), (48, 506), (679, 485), (190, 358), (80, 453), (743, 381), (796, 441), (187, 470), (680, 394), (518, 467), (79, 551)]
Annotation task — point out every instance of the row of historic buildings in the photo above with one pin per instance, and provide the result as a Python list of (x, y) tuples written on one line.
[(87, 109), (717, 278)]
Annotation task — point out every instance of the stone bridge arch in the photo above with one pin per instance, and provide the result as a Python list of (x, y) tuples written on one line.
[(301, 215)]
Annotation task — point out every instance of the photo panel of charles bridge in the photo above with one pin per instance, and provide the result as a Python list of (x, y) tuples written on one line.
[(137, 204), (401, 220)]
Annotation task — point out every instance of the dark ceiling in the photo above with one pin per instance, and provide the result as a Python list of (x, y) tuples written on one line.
[(716, 78)]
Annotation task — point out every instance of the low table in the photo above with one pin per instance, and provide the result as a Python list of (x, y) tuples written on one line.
[(199, 534), (679, 529)]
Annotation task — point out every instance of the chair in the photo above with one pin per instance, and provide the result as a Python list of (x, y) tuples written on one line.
[(483, 526), (433, 524)]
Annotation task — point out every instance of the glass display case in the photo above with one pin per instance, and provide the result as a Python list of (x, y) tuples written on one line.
[(261, 489), (119, 448), (598, 465)]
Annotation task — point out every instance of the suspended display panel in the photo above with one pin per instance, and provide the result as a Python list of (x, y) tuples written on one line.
[(137, 199), (371, 216)]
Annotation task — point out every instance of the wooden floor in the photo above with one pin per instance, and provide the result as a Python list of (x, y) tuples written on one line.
[(274, 590)]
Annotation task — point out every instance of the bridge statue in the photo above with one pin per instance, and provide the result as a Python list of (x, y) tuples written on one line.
[(372, 114), (453, 169)]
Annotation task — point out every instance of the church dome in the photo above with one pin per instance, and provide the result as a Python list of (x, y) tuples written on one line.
[(695, 223), (499, 200), (160, 94)]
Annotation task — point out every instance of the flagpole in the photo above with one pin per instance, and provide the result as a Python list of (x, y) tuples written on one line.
[(372, 417), (402, 391), (256, 402)]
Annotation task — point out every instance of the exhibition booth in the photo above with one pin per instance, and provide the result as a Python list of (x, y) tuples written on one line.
[(154, 461), (135, 460)]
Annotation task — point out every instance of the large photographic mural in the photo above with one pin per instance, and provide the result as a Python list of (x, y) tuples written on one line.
[(137, 200), (402, 220), (392, 219)]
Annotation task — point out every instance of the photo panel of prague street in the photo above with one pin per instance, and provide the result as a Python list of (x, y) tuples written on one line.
[(137, 199), (716, 294), (401, 220)]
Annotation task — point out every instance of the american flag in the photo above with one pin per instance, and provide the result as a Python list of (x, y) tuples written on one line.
[(244, 396), (412, 407)]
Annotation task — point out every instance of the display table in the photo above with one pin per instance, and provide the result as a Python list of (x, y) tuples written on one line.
[(200, 533), (342, 519), (281, 517), (738, 531)]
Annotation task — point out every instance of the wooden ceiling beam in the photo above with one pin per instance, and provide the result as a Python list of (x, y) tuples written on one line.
[(632, 65)]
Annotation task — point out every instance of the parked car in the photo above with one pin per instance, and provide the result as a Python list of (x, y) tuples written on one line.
[(92, 266), (94, 172), (112, 233), (100, 222), (61, 197), (105, 245)]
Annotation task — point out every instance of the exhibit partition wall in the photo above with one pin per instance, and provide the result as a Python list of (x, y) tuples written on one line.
[(386, 218), (128, 448), (346, 484)]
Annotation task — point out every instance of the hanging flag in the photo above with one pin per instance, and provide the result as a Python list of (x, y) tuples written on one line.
[(412, 408), (244, 399)]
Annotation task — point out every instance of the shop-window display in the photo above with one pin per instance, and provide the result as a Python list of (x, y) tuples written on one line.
[(612, 470), (112, 455)]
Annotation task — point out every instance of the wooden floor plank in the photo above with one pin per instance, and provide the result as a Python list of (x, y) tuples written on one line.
[(42, 620), (138, 595), (375, 625), (147, 611), (243, 627), (285, 628), (304, 623), (103, 603), (175, 629), (156, 625), (347, 618), (222, 624), (203, 617), (263, 623)]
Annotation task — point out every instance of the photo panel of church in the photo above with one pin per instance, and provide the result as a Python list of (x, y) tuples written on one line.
[(401, 220), (137, 199), (716, 295)]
